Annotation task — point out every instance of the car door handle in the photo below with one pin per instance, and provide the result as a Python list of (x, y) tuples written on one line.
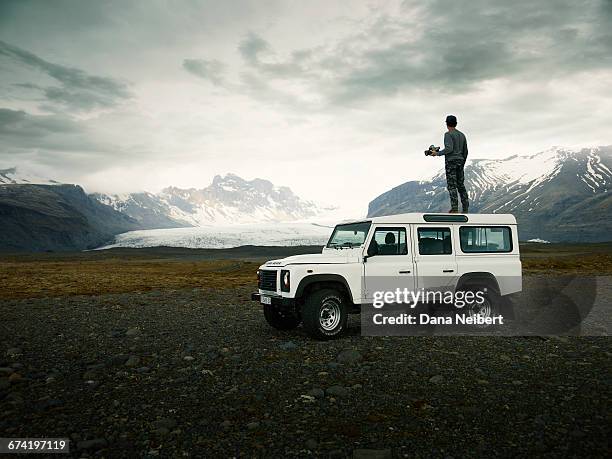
[(404, 272), (448, 270)]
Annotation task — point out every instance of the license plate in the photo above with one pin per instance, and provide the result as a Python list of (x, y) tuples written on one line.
[(265, 300)]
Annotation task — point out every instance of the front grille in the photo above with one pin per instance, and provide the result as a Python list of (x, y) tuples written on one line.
[(267, 280)]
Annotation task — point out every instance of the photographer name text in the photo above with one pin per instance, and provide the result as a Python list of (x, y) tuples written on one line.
[(426, 319)]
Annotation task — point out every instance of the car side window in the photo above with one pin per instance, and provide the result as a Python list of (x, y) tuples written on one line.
[(435, 241), (388, 241)]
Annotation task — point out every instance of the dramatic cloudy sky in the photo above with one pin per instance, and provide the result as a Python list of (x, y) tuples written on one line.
[(336, 99)]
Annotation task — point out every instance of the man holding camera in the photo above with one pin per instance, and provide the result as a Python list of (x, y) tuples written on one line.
[(455, 153)]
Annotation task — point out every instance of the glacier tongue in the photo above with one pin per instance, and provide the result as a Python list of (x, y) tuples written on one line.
[(226, 236)]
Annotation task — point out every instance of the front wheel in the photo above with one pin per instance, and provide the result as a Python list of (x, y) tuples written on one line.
[(325, 314), (280, 320)]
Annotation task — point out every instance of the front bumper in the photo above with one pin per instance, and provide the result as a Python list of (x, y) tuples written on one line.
[(275, 300)]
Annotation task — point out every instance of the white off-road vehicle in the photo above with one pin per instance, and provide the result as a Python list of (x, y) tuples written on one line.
[(459, 251)]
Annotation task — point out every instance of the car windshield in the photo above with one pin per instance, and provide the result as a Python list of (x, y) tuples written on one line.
[(349, 235)]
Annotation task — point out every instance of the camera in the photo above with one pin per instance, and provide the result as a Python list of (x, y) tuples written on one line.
[(431, 148)]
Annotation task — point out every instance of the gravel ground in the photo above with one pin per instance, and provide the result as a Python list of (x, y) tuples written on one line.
[(200, 373)]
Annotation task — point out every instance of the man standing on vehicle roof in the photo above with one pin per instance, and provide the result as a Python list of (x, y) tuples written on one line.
[(455, 153)]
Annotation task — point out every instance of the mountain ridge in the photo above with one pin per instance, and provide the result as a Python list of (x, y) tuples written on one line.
[(557, 195), (228, 199)]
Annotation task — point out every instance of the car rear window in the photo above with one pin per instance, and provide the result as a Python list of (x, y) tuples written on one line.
[(485, 239)]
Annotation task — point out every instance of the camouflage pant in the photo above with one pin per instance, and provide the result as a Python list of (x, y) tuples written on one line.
[(454, 182)]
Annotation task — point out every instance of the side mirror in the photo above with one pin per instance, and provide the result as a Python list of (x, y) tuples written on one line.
[(373, 249)]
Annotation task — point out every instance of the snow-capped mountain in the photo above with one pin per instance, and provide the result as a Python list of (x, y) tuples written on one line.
[(148, 209), (557, 195), (14, 176), (229, 199)]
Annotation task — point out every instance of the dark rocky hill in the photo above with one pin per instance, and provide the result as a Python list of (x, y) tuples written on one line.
[(55, 218)]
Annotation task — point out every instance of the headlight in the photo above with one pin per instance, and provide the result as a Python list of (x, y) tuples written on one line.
[(285, 281)]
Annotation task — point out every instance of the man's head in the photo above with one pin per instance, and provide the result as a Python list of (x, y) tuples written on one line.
[(451, 121)]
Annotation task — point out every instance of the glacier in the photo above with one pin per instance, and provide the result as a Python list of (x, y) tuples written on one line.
[(226, 236)]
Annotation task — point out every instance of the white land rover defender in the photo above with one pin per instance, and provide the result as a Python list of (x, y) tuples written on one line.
[(475, 251)]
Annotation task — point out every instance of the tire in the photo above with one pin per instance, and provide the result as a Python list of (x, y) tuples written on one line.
[(280, 320), (325, 314)]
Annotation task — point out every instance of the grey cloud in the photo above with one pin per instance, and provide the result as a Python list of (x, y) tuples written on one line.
[(47, 136), (58, 141), (254, 49), (211, 70), (446, 46), (78, 91), (251, 47), (20, 125), (466, 43)]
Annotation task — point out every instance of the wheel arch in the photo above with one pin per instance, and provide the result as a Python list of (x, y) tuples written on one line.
[(321, 281), (478, 278)]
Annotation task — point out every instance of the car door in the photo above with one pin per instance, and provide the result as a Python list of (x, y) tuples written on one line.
[(389, 264), (435, 263)]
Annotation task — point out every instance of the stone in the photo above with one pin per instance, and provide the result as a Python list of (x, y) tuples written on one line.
[(288, 346), (372, 454), (162, 431), (132, 332), (436, 379), (167, 423), (96, 443), (132, 361), (349, 356), (14, 352), (311, 444), (316, 393), (337, 391), (118, 359), (253, 425)]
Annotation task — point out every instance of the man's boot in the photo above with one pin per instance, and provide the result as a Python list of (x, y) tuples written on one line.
[(453, 211)]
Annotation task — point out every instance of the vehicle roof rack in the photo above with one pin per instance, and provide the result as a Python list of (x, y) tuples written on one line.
[(446, 218)]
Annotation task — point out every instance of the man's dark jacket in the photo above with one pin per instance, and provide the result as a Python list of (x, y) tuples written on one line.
[(455, 146)]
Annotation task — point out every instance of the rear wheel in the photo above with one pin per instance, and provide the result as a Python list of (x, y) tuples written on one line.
[(487, 305), (279, 319), (325, 314)]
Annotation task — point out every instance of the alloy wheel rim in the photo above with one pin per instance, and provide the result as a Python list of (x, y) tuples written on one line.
[(482, 310), (329, 316)]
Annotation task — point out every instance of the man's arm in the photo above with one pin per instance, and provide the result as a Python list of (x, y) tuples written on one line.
[(465, 150), (448, 145)]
